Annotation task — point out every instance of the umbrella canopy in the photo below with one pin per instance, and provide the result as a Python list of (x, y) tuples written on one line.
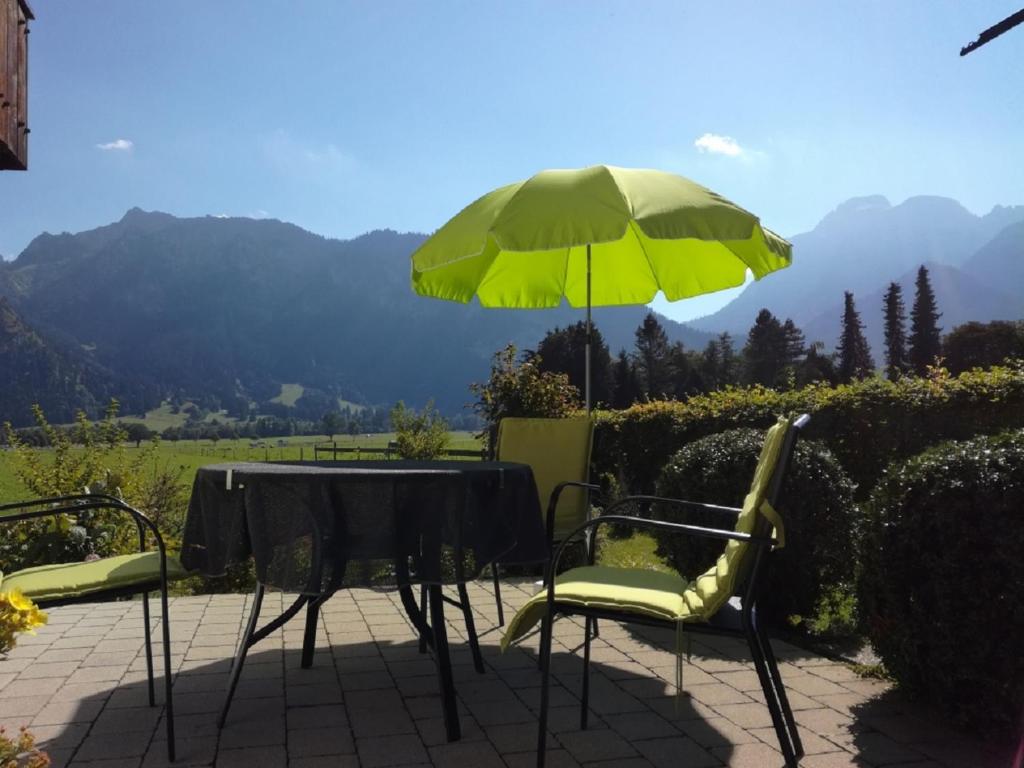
[(526, 244), (597, 236)]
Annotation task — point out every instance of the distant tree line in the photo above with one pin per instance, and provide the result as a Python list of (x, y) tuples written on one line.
[(776, 353)]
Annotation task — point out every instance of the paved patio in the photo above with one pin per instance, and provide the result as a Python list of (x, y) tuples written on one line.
[(371, 699)]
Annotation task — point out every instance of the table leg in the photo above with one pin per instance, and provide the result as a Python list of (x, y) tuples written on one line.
[(444, 664)]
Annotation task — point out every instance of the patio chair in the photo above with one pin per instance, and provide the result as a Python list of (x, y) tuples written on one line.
[(111, 577), (558, 452), (722, 600)]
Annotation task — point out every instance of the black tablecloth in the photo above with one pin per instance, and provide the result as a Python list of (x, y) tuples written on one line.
[(312, 526)]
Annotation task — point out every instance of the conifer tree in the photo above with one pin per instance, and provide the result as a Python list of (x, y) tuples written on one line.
[(925, 339), (729, 366), (896, 363), (626, 387), (764, 356), (854, 354), (653, 359)]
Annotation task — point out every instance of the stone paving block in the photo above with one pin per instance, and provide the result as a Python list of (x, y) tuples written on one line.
[(753, 715), (754, 755), (675, 751), (634, 726), (322, 716), (380, 722), (310, 742), (715, 694), (28, 687), (62, 713), (466, 754), (555, 758), (128, 719), (21, 706), (114, 745), (378, 751), (47, 669), (252, 757), (716, 732)]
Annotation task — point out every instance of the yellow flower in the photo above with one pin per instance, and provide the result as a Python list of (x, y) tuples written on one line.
[(19, 601)]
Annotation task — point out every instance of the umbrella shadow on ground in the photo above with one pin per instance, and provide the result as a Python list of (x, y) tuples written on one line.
[(377, 702)]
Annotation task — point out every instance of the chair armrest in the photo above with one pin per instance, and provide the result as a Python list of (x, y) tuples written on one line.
[(553, 505), (732, 512), (664, 525), (84, 502)]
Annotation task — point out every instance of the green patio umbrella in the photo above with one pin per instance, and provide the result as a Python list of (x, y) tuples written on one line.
[(597, 236)]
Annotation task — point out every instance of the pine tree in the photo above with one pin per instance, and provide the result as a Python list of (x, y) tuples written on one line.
[(564, 351), (729, 371), (653, 360), (925, 341), (854, 354), (896, 363), (764, 356), (626, 388), (711, 365)]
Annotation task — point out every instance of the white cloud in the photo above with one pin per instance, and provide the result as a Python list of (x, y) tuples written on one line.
[(719, 145), (118, 145)]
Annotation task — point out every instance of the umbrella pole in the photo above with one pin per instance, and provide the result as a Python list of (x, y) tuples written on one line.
[(587, 364)]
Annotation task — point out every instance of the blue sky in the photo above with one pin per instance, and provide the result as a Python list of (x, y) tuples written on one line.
[(345, 117)]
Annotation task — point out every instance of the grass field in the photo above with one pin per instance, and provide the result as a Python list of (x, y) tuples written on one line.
[(185, 456)]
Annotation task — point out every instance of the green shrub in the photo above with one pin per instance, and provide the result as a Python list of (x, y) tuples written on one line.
[(422, 435), (865, 424), (520, 388), (90, 457), (942, 588), (806, 580)]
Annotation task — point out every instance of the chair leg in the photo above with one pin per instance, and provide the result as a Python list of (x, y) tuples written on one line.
[(768, 687), (243, 648), (585, 710), (545, 684), (148, 634), (444, 664), (780, 689), (474, 642), (168, 695), (497, 595)]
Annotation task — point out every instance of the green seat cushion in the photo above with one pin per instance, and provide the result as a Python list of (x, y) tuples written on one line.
[(557, 450), (63, 581), (630, 590)]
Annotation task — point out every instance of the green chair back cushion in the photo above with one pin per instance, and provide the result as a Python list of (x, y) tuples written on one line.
[(556, 450), (660, 595), (713, 588), (65, 581)]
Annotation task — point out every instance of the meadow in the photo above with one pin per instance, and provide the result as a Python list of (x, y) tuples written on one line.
[(186, 456)]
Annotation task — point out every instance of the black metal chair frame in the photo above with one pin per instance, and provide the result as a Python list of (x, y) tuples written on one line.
[(76, 504), (731, 620)]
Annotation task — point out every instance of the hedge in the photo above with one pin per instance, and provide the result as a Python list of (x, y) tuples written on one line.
[(942, 585), (815, 568), (867, 424)]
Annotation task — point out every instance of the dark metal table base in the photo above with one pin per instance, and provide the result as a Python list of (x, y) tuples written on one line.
[(433, 634)]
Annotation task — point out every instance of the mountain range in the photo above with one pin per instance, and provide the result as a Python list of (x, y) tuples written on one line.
[(866, 243), (230, 309), (227, 310)]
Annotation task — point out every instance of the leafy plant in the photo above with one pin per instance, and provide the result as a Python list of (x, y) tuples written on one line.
[(21, 752), (866, 425), (520, 388), (90, 457), (805, 578), (17, 614), (422, 435), (943, 576)]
